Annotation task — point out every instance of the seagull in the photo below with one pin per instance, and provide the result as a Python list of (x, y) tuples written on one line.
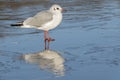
[(44, 20)]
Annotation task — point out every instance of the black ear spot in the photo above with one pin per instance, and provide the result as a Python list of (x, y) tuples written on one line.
[(57, 8)]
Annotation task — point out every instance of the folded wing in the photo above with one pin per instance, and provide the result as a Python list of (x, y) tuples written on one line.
[(39, 19)]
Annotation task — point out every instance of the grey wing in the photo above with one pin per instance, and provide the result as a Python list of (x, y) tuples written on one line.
[(39, 19)]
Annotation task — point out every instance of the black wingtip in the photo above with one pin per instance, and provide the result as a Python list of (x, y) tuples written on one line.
[(17, 24)]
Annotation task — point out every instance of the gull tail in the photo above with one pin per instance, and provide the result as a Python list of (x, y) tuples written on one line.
[(17, 24)]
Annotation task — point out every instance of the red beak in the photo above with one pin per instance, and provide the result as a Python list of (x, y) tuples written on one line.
[(63, 10)]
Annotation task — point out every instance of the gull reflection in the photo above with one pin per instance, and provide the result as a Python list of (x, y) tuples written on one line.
[(48, 60)]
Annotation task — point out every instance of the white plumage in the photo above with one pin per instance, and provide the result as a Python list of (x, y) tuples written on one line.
[(45, 20)]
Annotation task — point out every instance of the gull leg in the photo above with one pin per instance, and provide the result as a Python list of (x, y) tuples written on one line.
[(49, 38), (45, 39)]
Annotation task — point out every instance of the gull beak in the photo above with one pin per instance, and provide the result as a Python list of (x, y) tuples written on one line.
[(63, 10)]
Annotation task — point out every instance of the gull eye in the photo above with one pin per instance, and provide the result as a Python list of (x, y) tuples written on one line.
[(57, 8)]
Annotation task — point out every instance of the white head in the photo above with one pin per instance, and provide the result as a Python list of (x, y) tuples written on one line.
[(56, 8)]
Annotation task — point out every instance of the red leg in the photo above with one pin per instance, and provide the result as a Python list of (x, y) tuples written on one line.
[(47, 38), (45, 34)]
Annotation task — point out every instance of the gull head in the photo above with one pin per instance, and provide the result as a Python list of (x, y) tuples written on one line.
[(56, 8)]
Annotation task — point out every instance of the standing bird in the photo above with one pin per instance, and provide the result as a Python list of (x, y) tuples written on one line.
[(44, 20)]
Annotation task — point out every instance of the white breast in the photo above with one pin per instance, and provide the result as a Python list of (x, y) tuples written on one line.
[(57, 18)]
